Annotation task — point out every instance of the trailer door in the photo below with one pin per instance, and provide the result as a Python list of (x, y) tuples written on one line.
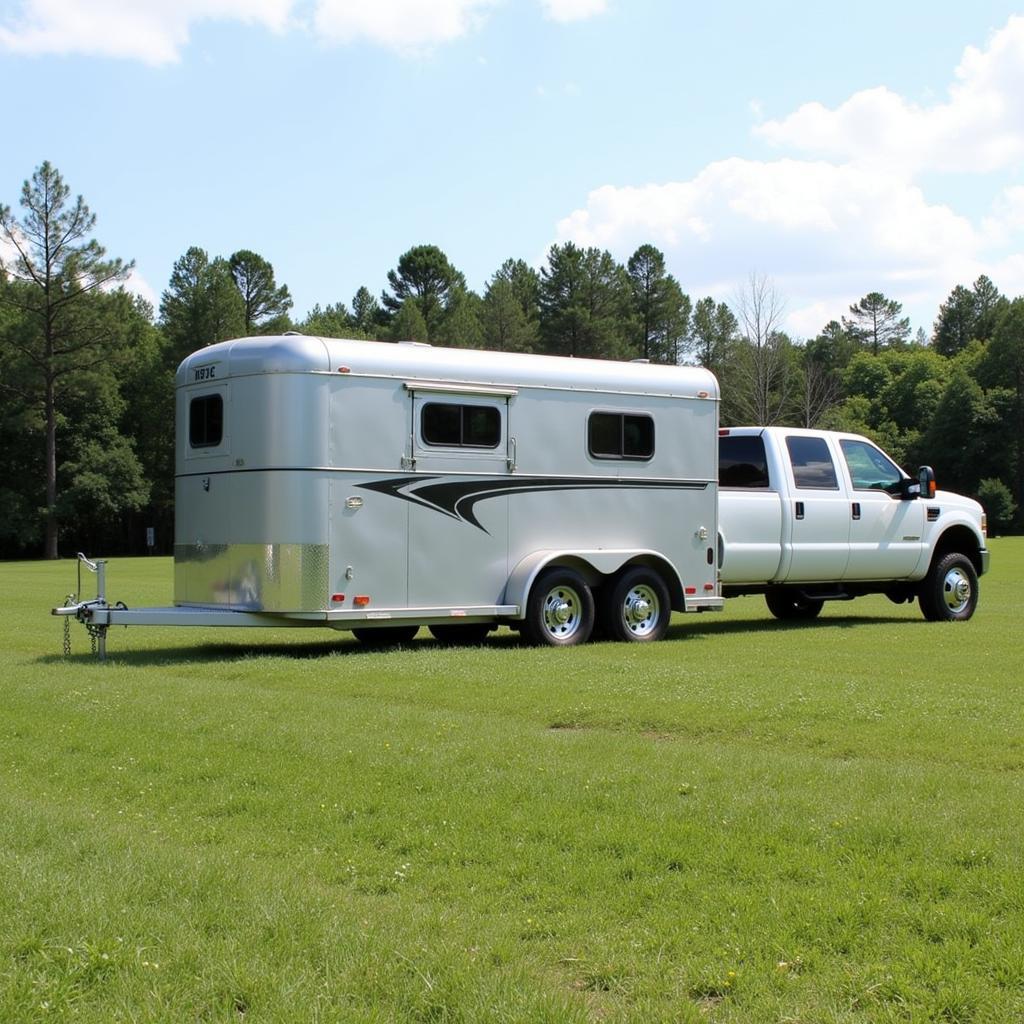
[(461, 455)]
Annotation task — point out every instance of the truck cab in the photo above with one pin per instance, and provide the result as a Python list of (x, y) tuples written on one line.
[(808, 515)]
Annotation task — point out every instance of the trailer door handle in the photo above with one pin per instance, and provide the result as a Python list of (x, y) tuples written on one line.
[(799, 510), (856, 510)]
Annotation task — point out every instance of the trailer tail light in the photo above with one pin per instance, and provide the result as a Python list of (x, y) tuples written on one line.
[(361, 600), (723, 431), (708, 587), (691, 590), (337, 598)]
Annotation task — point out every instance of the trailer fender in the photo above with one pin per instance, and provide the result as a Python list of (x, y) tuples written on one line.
[(595, 566)]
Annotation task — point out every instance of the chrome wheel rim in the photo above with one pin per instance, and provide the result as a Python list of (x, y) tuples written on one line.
[(562, 612), (641, 610), (956, 590)]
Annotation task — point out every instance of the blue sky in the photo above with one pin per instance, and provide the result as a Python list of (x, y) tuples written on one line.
[(837, 151)]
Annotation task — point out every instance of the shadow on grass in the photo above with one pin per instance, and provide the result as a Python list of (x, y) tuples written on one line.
[(345, 645)]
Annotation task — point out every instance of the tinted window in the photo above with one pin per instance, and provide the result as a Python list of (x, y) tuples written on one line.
[(615, 435), (206, 421), (870, 470), (812, 464), (461, 426), (742, 462)]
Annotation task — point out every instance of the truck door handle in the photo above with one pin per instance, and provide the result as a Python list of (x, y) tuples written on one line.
[(799, 510), (856, 510)]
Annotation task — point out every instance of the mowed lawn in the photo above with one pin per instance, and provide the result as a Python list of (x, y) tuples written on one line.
[(747, 822)]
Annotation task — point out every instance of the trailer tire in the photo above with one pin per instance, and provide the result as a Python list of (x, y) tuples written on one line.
[(636, 607), (949, 593), (559, 610), (469, 634), (790, 605), (385, 636)]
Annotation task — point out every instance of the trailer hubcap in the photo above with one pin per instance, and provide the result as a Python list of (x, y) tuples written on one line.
[(562, 612), (641, 610), (956, 590)]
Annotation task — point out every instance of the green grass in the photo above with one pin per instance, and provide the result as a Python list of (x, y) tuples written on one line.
[(748, 822)]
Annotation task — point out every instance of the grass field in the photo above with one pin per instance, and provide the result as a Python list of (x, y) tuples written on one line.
[(749, 822)]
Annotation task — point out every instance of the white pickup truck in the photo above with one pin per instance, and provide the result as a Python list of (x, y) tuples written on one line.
[(808, 516)]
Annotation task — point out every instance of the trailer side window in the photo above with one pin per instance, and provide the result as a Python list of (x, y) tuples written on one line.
[(813, 468), (616, 435), (461, 426), (206, 421), (742, 461)]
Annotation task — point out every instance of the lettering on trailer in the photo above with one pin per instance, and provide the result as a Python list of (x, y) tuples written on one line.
[(457, 499), (204, 373)]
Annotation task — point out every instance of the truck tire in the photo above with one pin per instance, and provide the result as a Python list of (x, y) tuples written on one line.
[(460, 635), (559, 610), (949, 593), (636, 607), (792, 605), (385, 636)]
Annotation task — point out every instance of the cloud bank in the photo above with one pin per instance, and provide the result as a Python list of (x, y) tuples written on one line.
[(156, 31), (857, 218)]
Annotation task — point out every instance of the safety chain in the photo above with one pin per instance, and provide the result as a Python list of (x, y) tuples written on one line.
[(95, 633), (69, 600)]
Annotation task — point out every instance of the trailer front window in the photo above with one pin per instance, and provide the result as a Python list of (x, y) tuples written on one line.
[(616, 435), (206, 421)]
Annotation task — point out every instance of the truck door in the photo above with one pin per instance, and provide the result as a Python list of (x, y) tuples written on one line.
[(462, 455), (819, 513), (886, 533)]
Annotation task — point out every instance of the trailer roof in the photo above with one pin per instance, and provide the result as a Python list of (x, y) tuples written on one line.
[(298, 353)]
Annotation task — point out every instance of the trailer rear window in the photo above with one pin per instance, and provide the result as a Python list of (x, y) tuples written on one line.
[(813, 468), (206, 421), (616, 435), (742, 461), (461, 426)]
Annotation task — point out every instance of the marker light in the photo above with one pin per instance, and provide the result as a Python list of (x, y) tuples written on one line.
[(361, 600)]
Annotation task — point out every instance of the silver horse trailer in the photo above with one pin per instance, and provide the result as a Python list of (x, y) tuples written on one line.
[(380, 487)]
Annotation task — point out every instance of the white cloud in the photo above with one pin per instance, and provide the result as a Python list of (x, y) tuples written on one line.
[(826, 233), (138, 285), (408, 26), (980, 127), (153, 31), (572, 10)]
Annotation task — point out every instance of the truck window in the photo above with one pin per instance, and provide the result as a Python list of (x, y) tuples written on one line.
[(742, 462), (813, 467), (616, 435), (206, 421), (870, 470), (461, 426)]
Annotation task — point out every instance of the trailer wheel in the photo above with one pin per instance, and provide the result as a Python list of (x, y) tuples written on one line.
[(385, 636), (636, 607), (465, 635), (559, 610), (788, 604), (949, 593)]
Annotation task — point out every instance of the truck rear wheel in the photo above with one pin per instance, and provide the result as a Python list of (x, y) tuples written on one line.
[(385, 636), (636, 607), (559, 610), (949, 593), (789, 604)]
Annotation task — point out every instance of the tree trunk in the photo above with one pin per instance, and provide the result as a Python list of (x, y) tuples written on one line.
[(50, 543)]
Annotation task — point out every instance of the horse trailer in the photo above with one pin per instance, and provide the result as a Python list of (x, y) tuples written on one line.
[(379, 487)]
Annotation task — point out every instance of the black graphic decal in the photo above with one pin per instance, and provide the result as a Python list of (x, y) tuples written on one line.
[(457, 499)]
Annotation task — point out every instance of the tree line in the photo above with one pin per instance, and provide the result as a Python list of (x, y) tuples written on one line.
[(87, 368)]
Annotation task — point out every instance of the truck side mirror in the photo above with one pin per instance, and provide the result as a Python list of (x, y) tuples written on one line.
[(926, 479)]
